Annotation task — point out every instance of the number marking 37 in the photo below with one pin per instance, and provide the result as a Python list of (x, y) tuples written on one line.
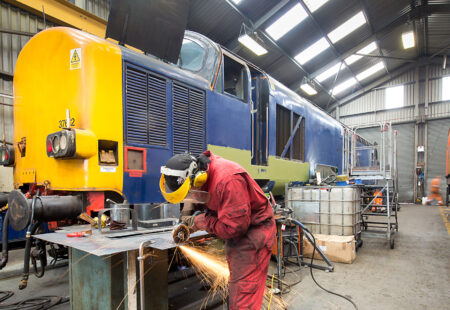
[(63, 123)]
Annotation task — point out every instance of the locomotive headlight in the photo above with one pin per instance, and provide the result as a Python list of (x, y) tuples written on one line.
[(63, 142), (55, 144), (7, 157), (71, 143)]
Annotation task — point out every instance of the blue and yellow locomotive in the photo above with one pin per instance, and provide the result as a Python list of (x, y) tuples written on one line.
[(96, 120)]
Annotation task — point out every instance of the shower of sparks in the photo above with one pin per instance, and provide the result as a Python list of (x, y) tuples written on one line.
[(212, 268)]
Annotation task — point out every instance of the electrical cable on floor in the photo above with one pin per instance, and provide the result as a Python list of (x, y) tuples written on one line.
[(314, 279), (36, 303), (5, 295)]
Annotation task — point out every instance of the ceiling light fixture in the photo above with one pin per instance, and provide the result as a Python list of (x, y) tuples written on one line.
[(236, 1), (285, 23), (308, 89), (408, 39), (348, 27), (312, 51), (252, 45)]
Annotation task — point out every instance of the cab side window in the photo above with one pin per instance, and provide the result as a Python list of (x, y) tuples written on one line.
[(235, 78)]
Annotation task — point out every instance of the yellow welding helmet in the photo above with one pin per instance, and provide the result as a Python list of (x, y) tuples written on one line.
[(174, 196), (181, 173)]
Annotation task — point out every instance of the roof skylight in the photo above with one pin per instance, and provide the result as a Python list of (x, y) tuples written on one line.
[(314, 5), (369, 48), (348, 27), (308, 89), (312, 51), (370, 71), (329, 73), (285, 23), (343, 86)]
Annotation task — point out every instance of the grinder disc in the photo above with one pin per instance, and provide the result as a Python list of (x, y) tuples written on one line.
[(180, 233)]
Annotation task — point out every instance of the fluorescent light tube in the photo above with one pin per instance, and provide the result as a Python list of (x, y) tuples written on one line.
[(252, 45), (408, 39)]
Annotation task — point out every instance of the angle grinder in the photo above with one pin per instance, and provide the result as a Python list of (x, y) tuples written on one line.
[(181, 233)]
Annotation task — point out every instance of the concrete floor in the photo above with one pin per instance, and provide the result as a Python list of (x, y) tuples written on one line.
[(415, 275)]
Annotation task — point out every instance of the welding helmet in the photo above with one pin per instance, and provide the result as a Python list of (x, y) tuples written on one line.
[(181, 173)]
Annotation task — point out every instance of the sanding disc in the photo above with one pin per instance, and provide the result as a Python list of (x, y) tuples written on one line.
[(180, 233)]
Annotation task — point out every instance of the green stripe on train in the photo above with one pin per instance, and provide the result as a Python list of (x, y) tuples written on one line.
[(281, 171)]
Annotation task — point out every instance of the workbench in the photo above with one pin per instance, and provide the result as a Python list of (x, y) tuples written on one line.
[(104, 270)]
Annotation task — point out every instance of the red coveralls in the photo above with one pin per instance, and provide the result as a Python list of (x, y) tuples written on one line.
[(239, 212)]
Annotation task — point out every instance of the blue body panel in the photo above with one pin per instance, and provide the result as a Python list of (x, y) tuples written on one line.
[(228, 124), (323, 134)]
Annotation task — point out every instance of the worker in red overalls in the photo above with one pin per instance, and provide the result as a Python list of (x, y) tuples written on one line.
[(236, 210)]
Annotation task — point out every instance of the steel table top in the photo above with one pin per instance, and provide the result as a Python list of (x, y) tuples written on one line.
[(106, 244)]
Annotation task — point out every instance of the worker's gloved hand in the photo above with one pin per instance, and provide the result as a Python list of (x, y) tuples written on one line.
[(195, 222), (188, 220), (200, 222)]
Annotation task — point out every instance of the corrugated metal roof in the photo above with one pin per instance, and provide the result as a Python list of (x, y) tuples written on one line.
[(221, 21), (387, 19)]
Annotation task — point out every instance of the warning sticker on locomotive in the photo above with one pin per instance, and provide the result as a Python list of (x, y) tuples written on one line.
[(75, 58)]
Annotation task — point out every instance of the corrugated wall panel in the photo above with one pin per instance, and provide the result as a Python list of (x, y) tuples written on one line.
[(439, 110), (375, 101), (97, 7), (436, 152), (15, 19), (402, 79), (405, 158), (6, 122), (435, 90), (436, 71)]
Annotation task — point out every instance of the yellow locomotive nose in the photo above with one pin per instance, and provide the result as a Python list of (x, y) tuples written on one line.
[(84, 77)]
